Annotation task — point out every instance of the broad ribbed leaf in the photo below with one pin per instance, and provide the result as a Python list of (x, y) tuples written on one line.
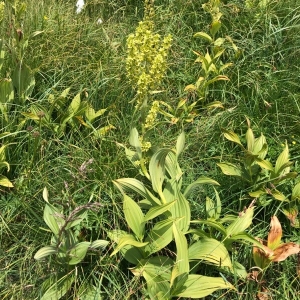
[(211, 251), (134, 216), (296, 192), (282, 159), (157, 211), (135, 141), (210, 208), (157, 170), (201, 180), (131, 253), (250, 139), (6, 91), (241, 223), (182, 256), (260, 147), (53, 218), (74, 106), (230, 169), (78, 253), (198, 286), (44, 252), (99, 244), (203, 35), (157, 272), (127, 239), (231, 136), (181, 210), (133, 185), (159, 237), (59, 287), (265, 164), (180, 143)]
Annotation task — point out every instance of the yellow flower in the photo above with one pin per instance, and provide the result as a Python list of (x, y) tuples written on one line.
[(146, 55)]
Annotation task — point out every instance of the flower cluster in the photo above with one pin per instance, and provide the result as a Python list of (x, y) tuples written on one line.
[(151, 117), (146, 55), (145, 146), (2, 6)]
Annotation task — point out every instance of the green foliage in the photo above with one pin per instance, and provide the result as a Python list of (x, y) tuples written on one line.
[(168, 219), (66, 247), (58, 113), (259, 173)]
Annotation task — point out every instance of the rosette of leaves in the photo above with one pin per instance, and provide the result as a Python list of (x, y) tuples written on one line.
[(255, 170)]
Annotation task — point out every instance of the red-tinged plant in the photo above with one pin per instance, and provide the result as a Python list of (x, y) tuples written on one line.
[(273, 250)]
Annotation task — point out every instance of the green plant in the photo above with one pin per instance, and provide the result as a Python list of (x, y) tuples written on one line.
[(167, 219), (65, 246), (255, 170), (55, 115), (4, 181), (212, 66)]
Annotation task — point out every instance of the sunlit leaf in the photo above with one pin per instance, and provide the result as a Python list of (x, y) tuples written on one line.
[(44, 252), (78, 252), (198, 286), (282, 160), (159, 236), (296, 192), (285, 250), (241, 223), (180, 143), (275, 233), (182, 256), (127, 239), (230, 169), (204, 36), (4, 181), (210, 251), (134, 216)]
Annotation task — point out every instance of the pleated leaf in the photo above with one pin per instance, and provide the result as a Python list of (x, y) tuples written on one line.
[(198, 286), (134, 216)]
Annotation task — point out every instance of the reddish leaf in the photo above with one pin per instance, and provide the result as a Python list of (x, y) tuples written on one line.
[(275, 233), (285, 250)]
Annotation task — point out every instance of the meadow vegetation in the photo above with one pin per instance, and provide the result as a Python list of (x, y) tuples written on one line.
[(149, 149)]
